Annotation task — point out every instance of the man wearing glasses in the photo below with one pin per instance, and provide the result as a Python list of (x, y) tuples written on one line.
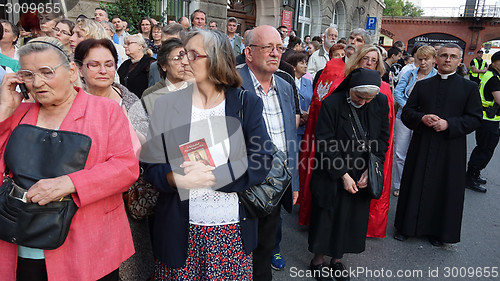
[(441, 111), (263, 54)]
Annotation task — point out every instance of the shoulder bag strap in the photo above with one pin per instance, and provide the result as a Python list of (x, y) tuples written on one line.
[(7, 171), (358, 124), (164, 146), (241, 95)]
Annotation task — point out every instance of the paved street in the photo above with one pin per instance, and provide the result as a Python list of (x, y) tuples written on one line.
[(416, 258)]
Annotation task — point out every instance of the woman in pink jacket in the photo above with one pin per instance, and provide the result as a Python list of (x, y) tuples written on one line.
[(99, 238)]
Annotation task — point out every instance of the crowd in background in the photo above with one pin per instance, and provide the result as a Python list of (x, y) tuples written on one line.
[(296, 79)]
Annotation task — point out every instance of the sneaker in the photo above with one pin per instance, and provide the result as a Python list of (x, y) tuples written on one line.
[(277, 262)]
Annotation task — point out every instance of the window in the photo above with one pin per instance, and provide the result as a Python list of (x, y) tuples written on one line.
[(339, 18), (304, 27)]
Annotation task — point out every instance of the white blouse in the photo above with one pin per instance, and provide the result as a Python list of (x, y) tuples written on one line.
[(206, 206)]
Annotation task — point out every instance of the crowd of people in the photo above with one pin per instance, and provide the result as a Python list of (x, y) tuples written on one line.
[(328, 103)]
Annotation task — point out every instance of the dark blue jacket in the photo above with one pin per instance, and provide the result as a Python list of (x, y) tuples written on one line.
[(172, 116), (287, 104)]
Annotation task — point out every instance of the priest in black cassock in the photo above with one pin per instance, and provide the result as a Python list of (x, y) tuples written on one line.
[(441, 111)]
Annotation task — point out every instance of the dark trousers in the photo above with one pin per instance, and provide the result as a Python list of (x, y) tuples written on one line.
[(475, 79), (487, 137), (277, 241), (265, 244), (35, 270)]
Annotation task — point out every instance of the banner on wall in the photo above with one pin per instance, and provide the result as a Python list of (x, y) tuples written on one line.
[(286, 20)]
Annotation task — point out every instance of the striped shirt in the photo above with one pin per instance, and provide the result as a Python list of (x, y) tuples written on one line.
[(271, 112)]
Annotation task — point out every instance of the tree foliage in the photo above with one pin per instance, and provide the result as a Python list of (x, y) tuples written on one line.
[(131, 11), (397, 8)]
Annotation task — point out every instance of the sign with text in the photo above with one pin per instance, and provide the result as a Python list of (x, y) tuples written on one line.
[(286, 20), (371, 23), (434, 39)]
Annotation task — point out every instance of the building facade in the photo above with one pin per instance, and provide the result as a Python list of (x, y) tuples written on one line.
[(307, 17)]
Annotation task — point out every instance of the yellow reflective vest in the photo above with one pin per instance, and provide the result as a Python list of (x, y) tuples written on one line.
[(476, 64), (487, 76)]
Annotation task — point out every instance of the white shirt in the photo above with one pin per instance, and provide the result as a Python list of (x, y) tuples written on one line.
[(206, 206), (317, 61)]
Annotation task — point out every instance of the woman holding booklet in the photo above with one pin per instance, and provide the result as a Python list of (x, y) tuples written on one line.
[(201, 230)]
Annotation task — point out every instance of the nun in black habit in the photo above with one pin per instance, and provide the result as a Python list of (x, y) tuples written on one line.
[(340, 201)]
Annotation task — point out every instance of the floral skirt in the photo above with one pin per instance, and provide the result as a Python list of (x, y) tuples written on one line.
[(214, 253)]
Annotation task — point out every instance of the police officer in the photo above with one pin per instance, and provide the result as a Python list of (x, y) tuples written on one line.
[(477, 68), (488, 134)]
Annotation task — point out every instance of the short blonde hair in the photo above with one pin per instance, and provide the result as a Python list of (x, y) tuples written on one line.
[(425, 51), (92, 29), (354, 60)]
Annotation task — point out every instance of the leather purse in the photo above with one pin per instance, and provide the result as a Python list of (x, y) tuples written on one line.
[(141, 198), (260, 200), (33, 153), (375, 164)]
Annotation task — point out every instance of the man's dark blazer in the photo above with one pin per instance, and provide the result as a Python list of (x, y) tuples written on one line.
[(287, 103)]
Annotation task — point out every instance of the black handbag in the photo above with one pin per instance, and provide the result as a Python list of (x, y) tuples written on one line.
[(260, 200), (375, 164), (33, 153)]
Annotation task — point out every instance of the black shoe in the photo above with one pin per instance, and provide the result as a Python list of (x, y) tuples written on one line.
[(340, 271), (480, 180), (474, 185), (318, 274), (435, 242), (399, 236)]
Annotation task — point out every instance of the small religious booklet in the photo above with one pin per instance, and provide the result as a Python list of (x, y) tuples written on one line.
[(197, 151)]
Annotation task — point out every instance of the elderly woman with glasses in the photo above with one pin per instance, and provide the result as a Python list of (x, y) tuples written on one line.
[(201, 231), (134, 72), (99, 238), (96, 60), (172, 72)]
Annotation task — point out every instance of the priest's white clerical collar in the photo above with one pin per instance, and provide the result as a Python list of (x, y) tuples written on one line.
[(445, 76)]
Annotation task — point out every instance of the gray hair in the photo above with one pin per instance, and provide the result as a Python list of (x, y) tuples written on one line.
[(42, 44), (232, 19), (451, 45), (220, 55), (111, 26), (249, 38), (174, 29), (140, 41), (326, 30), (363, 33)]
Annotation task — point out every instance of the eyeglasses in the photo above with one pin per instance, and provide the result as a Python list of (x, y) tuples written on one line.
[(372, 60), (45, 72), (57, 31), (129, 43), (178, 58), (96, 66), (191, 55), (446, 56), (270, 48)]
